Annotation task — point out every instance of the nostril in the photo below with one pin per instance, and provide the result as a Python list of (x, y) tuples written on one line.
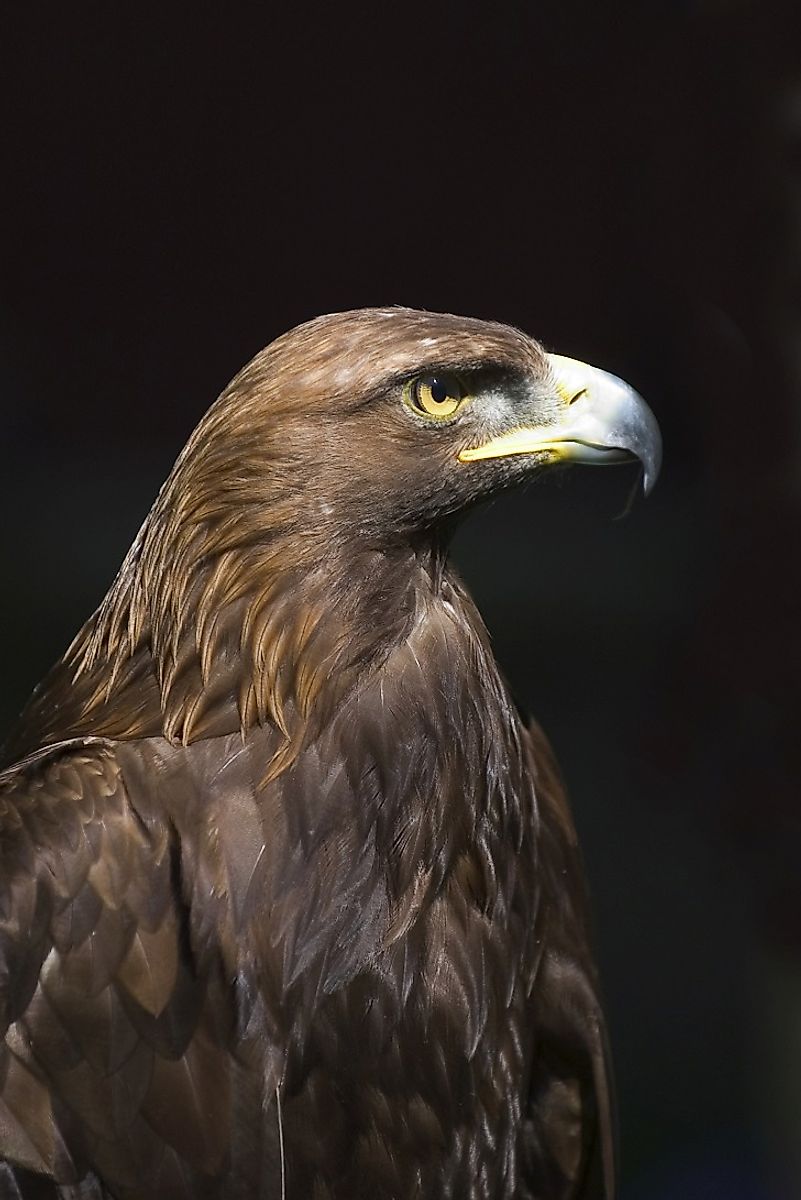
[(581, 392)]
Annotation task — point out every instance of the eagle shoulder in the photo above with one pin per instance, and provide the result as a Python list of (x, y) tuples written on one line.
[(107, 1062)]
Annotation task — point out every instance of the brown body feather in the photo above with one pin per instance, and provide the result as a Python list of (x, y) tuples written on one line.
[(291, 901)]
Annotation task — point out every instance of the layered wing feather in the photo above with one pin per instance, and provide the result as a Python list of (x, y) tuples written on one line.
[(570, 1142), (109, 1063)]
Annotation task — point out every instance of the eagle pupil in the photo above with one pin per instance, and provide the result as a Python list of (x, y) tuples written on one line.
[(439, 390)]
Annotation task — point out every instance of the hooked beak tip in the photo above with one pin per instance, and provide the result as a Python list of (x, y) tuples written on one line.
[(605, 411)]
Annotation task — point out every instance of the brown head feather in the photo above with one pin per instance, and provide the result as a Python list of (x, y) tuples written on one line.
[(281, 542)]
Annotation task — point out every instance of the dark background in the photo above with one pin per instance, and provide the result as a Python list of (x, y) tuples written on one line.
[(623, 181)]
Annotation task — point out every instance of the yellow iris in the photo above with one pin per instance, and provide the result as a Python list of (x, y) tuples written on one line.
[(436, 396)]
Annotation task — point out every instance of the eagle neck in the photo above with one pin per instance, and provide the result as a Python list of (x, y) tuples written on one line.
[(189, 645)]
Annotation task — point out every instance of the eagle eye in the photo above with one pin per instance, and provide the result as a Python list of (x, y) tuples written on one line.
[(437, 396)]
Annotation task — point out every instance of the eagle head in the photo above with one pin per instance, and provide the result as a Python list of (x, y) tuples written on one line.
[(385, 423), (290, 543)]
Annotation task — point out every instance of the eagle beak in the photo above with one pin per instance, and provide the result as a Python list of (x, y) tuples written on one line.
[(604, 421)]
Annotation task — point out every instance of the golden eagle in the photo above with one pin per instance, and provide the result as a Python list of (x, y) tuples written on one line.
[(290, 899)]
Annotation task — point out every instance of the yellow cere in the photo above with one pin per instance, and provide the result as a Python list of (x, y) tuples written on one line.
[(564, 392), (572, 378)]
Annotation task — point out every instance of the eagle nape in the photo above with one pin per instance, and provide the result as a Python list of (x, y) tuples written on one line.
[(291, 903)]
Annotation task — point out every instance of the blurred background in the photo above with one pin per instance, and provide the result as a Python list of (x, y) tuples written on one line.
[(623, 181)]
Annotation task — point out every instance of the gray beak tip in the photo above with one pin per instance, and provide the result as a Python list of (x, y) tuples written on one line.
[(649, 451), (606, 413)]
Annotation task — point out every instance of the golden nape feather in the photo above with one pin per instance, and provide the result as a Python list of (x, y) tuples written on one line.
[(291, 900)]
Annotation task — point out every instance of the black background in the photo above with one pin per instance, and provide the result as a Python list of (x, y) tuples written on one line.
[(623, 181)]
